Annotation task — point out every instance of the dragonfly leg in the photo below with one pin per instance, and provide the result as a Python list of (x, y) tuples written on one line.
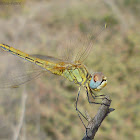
[(94, 97), (97, 96), (102, 95), (78, 111)]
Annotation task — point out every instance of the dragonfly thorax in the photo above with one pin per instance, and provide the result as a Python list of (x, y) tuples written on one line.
[(98, 81), (77, 74)]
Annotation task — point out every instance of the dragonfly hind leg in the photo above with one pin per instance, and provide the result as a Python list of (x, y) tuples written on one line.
[(78, 111)]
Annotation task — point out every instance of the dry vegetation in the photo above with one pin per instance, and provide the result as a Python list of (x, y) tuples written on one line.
[(44, 109)]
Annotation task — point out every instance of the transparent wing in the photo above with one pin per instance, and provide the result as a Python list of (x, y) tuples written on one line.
[(88, 42), (15, 71), (77, 45), (48, 58)]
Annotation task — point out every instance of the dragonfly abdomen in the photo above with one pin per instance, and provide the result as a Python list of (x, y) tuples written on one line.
[(40, 62)]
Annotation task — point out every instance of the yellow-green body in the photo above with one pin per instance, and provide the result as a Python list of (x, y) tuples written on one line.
[(74, 72)]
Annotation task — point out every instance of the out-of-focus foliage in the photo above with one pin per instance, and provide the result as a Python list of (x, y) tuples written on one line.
[(47, 27)]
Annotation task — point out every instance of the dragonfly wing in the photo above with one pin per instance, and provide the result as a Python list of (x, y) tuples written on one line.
[(47, 58), (86, 43), (16, 71)]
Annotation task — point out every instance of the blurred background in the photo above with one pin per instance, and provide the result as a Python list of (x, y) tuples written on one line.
[(44, 107)]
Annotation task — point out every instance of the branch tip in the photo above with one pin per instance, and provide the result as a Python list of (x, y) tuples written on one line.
[(96, 121)]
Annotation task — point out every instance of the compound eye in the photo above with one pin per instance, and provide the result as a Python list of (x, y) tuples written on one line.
[(96, 78)]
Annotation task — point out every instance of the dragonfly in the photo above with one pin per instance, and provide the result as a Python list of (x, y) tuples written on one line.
[(74, 71)]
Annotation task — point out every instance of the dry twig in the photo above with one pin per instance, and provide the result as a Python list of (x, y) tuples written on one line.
[(95, 123)]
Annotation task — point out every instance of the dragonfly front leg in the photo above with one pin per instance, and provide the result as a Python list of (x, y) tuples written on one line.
[(97, 96), (94, 97), (78, 111)]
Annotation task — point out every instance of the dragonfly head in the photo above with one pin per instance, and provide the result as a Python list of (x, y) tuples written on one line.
[(98, 81)]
